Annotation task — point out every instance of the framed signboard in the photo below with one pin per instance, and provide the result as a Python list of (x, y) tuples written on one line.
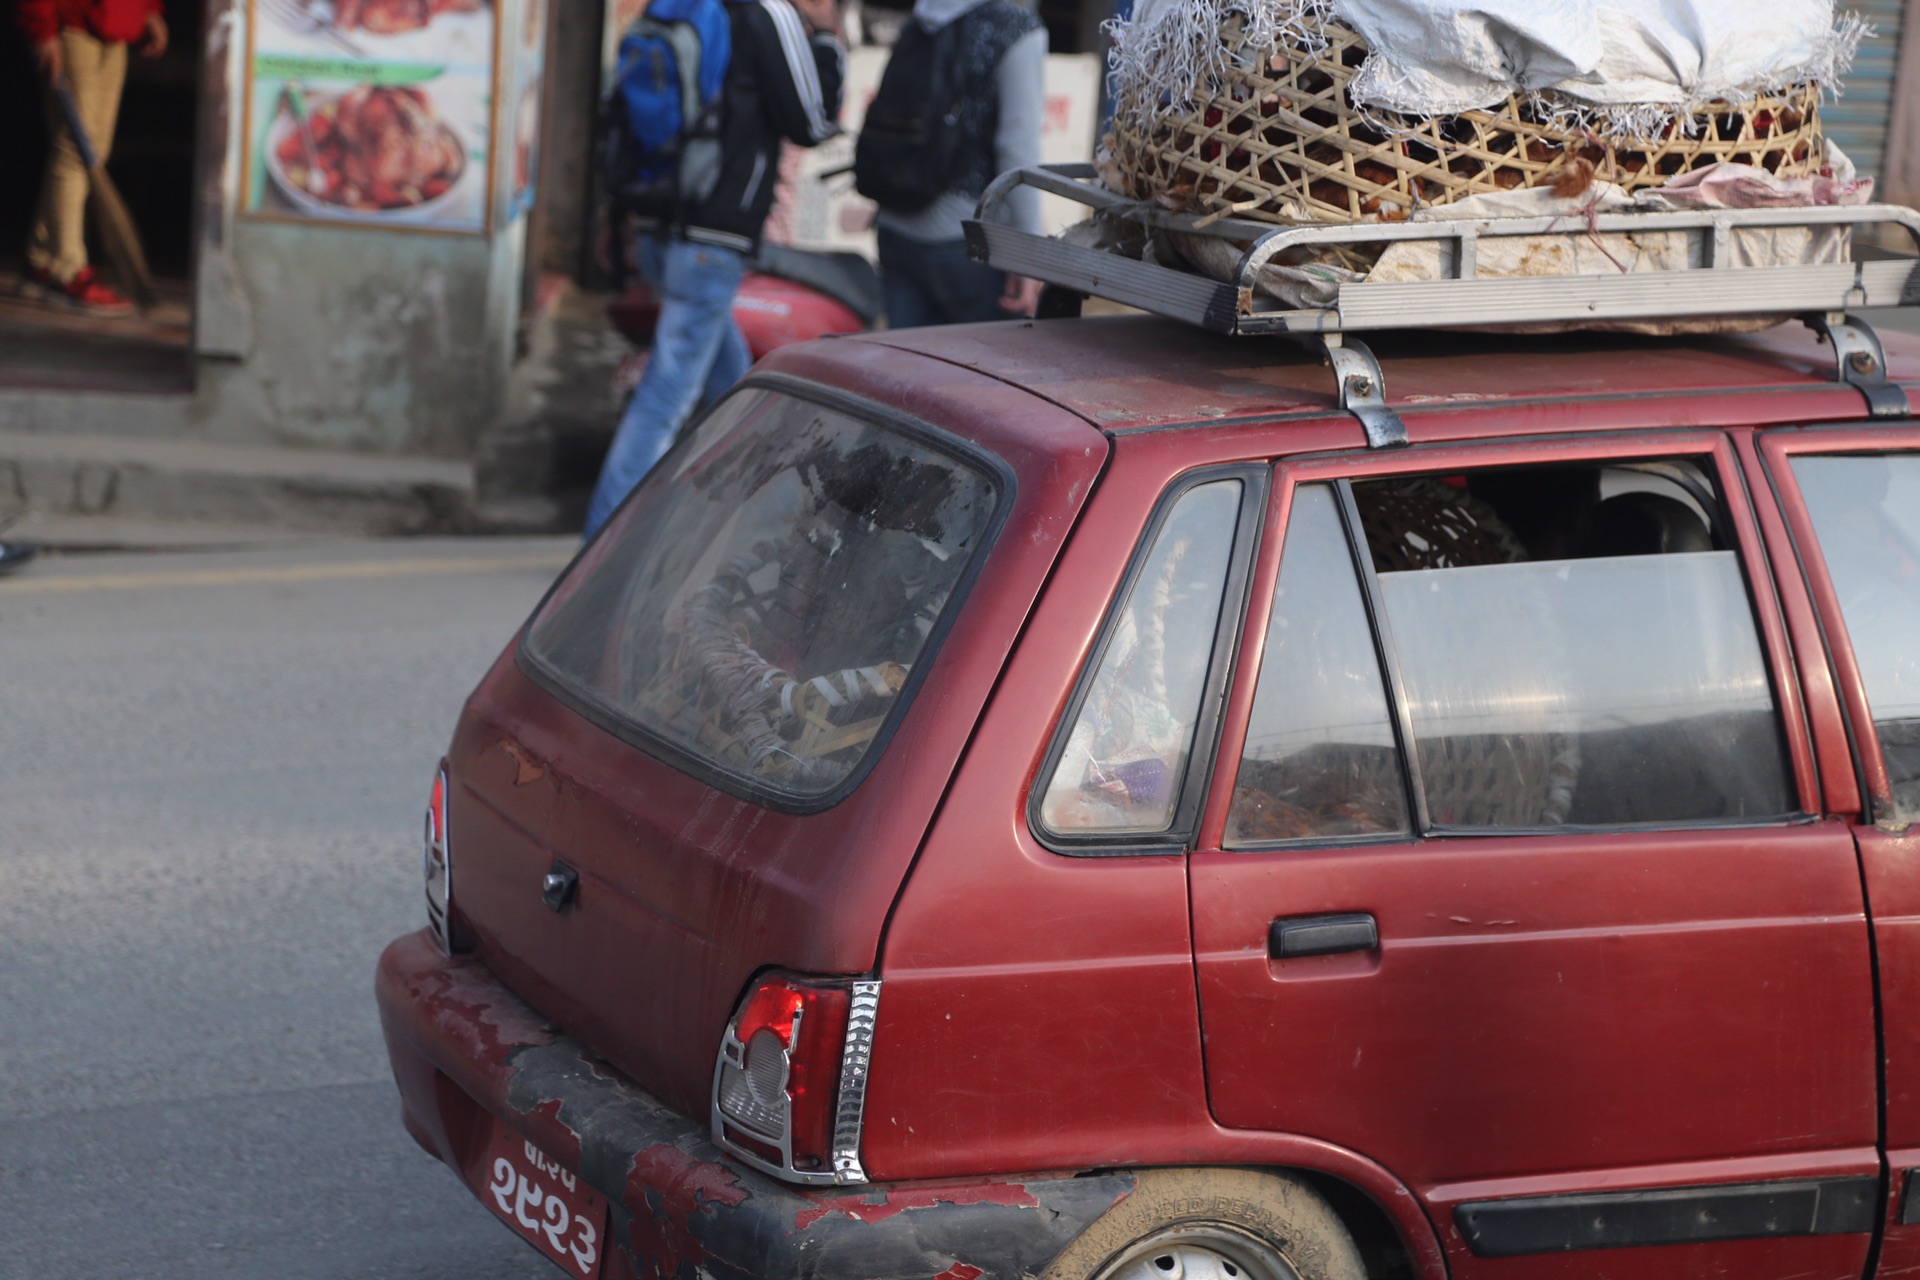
[(372, 112)]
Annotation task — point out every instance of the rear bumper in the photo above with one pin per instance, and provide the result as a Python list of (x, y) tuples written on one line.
[(468, 1055)]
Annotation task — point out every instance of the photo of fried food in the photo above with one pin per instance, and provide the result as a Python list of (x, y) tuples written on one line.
[(374, 148), (391, 17)]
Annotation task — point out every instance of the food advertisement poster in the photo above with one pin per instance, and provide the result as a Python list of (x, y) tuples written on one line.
[(372, 112)]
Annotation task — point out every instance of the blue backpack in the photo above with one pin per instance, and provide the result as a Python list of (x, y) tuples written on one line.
[(663, 111)]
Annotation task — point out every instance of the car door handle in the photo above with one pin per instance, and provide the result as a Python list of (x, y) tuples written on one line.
[(1321, 935)]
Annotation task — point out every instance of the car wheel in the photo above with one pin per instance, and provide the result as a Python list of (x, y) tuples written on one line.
[(1213, 1224)]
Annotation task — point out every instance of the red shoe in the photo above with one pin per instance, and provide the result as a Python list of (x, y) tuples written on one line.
[(86, 290)]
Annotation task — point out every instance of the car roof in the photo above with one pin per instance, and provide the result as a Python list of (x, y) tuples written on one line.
[(1134, 372)]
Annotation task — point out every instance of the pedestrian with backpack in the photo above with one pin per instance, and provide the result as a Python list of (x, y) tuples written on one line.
[(961, 101), (704, 93)]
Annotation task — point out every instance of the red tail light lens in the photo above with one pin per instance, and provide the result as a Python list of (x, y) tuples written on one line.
[(790, 1084), (436, 866)]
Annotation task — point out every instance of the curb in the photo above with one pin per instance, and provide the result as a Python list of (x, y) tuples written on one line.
[(196, 493)]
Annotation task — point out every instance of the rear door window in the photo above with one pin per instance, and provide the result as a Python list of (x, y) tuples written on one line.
[(1320, 759), (1565, 646), (1866, 512), (763, 604)]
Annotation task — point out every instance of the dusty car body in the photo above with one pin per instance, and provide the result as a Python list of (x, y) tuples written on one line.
[(1494, 853)]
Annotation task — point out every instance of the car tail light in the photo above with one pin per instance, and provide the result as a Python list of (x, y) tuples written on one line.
[(434, 862), (791, 1082)]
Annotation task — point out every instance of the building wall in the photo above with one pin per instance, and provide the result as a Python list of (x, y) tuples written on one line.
[(357, 340), (1900, 162), (1857, 119), (313, 334), (366, 340), (573, 99)]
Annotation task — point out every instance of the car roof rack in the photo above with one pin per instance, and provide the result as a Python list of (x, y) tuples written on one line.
[(1822, 294)]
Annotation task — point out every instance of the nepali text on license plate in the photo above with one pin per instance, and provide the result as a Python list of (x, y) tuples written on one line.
[(545, 1203)]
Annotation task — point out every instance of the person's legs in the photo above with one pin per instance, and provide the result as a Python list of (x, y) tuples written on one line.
[(909, 305), (95, 72), (730, 363), (935, 282), (97, 95), (967, 291), (696, 284)]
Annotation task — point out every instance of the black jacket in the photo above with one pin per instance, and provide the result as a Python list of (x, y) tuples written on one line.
[(782, 82)]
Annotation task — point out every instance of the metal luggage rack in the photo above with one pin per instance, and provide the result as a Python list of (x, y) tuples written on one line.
[(1821, 294)]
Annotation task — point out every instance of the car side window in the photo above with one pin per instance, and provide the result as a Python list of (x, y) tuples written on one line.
[(1122, 766), (1320, 758), (1866, 511), (1575, 646), (1565, 646)]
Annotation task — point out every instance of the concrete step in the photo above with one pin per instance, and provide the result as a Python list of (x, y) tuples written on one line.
[(208, 492)]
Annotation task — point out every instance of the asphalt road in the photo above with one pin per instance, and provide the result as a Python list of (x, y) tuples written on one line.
[(212, 774)]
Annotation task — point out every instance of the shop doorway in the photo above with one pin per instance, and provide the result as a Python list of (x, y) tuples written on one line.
[(55, 346)]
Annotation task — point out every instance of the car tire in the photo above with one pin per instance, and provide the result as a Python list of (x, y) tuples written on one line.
[(1213, 1224)]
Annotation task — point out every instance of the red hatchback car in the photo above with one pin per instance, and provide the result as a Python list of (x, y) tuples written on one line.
[(1048, 799)]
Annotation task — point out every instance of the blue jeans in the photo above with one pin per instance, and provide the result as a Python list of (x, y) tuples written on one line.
[(934, 282), (697, 354)]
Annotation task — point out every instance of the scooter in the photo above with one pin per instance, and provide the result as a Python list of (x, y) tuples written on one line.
[(787, 295)]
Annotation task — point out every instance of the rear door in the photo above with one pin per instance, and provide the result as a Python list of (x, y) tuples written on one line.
[(734, 716), (1509, 878), (1852, 500)]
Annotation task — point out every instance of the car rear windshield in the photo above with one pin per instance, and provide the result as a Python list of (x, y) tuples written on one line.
[(761, 603)]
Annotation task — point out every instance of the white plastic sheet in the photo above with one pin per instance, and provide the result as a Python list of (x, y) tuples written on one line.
[(1441, 56), (1623, 67)]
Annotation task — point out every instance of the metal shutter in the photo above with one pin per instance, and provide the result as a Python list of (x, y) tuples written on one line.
[(1858, 121)]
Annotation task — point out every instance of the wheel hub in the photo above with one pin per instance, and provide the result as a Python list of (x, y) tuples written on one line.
[(1201, 1251)]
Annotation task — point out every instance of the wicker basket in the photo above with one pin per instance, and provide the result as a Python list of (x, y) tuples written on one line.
[(1282, 142)]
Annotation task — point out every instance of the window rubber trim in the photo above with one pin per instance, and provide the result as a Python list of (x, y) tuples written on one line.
[(591, 708), (1256, 484), (1452, 461), (1876, 811), (1387, 653), (1359, 561)]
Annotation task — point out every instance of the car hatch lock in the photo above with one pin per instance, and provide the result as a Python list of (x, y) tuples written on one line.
[(559, 887)]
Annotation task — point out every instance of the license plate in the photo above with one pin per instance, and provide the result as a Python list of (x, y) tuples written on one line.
[(546, 1203)]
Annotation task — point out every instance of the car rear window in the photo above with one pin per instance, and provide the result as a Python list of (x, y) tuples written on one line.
[(761, 605), (1122, 767), (1866, 510)]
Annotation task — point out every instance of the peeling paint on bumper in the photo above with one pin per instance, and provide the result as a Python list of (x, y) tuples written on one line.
[(468, 1056)]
